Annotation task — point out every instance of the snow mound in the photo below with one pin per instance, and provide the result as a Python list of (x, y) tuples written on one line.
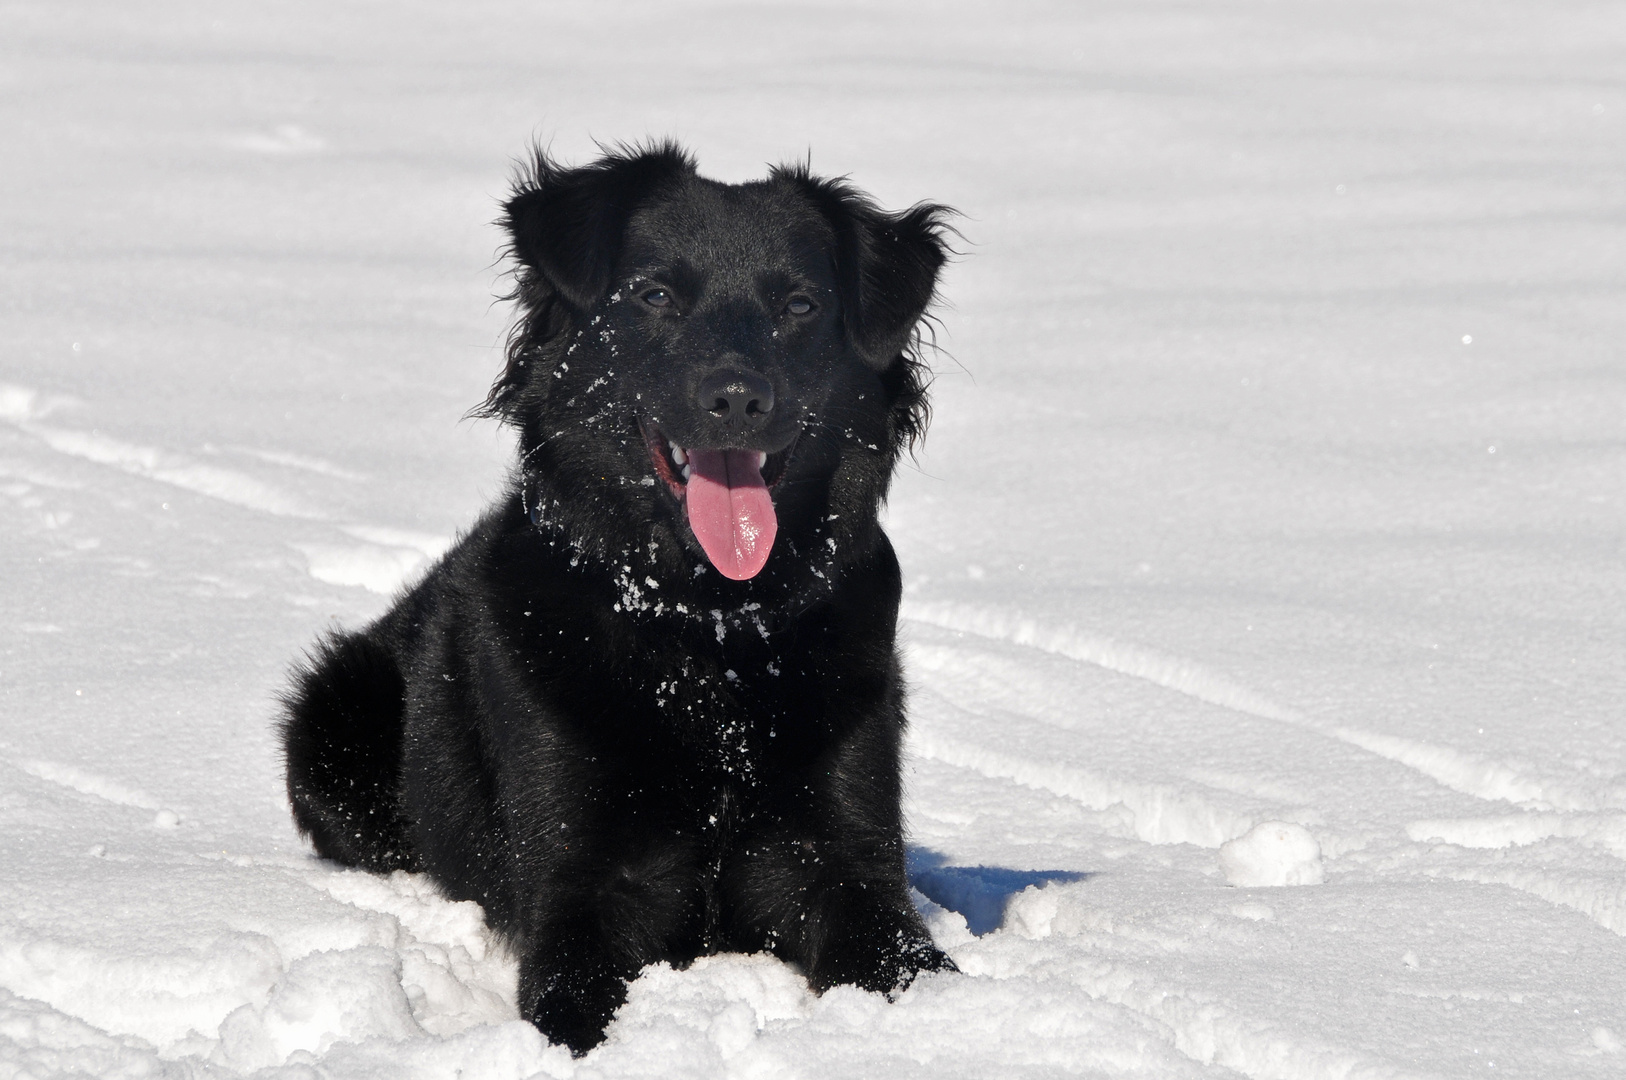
[(383, 570), (324, 998), (1272, 853)]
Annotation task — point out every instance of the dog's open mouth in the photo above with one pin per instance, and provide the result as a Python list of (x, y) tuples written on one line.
[(726, 494)]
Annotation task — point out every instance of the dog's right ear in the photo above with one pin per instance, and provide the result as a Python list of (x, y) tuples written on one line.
[(567, 224), (886, 263)]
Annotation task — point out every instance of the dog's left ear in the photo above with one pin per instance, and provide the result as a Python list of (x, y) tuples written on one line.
[(567, 224), (886, 263)]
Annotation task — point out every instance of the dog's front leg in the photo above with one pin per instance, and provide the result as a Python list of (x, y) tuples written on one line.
[(597, 915), (823, 883), (834, 903), (862, 928)]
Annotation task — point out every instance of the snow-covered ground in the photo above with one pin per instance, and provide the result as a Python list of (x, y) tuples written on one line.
[(1272, 527)]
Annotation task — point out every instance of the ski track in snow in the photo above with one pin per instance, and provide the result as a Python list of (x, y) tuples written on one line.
[(305, 462), (1607, 831), (389, 558), (1488, 780), (18, 407), (1163, 814), (1491, 781), (88, 783), (1173, 673)]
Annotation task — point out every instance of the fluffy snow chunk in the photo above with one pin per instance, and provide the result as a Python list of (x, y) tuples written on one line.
[(1032, 911), (325, 998), (382, 570), (16, 403), (947, 928), (979, 894), (1272, 853)]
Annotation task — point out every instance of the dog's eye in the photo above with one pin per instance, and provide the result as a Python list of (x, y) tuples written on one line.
[(799, 305), (658, 298)]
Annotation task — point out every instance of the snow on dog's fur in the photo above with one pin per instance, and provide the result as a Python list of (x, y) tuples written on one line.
[(650, 706)]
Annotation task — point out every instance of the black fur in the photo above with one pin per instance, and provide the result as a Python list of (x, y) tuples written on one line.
[(575, 719)]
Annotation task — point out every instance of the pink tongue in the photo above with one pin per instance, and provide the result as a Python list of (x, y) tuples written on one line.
[(730, 511)]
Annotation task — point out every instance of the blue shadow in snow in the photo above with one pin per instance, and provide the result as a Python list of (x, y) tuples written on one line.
[(978, 893)]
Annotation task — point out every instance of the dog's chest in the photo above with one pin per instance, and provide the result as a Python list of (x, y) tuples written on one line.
[(729, 705)]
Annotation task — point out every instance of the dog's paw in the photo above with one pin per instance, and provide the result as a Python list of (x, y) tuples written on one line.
[(921, 955), (913, 957), (571, 994), (882, 964), (576, 1015)]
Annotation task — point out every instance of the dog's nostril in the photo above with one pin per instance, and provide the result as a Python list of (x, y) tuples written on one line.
[(737, 397)]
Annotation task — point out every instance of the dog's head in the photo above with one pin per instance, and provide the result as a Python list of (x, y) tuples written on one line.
[(730, 367)]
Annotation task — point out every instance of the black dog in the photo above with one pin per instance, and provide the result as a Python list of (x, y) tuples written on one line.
[(650, 707)]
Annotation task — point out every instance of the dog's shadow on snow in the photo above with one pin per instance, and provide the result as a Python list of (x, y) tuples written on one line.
[(978, 893)]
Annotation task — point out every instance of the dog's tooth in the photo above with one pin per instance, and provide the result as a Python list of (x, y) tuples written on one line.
[(679, 455), (685, 474), (762, 458)]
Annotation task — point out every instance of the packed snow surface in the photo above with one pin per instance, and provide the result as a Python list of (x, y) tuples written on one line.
[(1272, 527)]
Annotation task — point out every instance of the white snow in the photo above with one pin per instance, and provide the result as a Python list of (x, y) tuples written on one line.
[(1272, 853), (1277, 486)]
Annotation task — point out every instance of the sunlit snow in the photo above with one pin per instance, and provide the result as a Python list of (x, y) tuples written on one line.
[(1275, 498)]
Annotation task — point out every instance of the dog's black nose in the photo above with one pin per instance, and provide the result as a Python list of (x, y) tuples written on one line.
[(737, 397)]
